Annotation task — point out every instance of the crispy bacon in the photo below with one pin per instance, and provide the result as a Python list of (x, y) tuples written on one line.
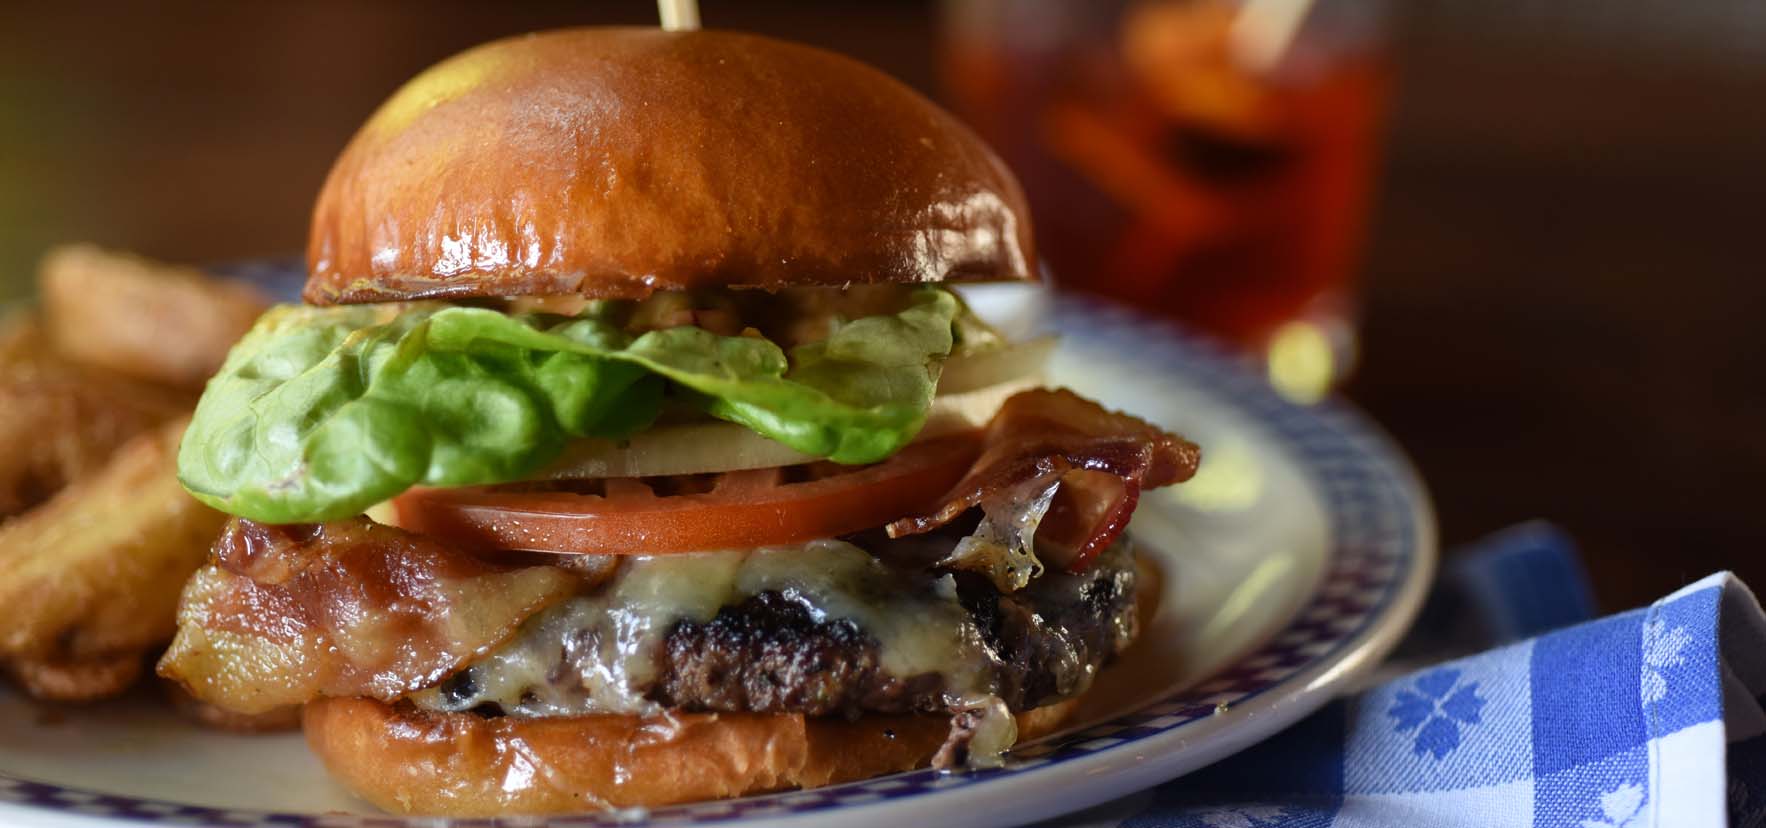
[(1058, 469), (285, 614)]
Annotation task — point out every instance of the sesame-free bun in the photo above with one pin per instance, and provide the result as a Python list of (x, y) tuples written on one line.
[(409, 761), (613, 162)]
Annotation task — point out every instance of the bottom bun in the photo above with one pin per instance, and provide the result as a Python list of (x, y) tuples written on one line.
[(459, 764)]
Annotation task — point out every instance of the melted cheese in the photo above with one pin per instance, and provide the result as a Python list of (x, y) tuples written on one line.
[(611, 638), (599, 652)]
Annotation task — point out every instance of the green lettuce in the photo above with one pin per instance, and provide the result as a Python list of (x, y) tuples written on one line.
[(319, 413)]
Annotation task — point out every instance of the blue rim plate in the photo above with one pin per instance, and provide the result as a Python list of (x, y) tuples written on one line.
[(1266, 624)]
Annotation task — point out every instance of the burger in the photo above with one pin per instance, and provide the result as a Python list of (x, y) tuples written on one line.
[(631, 447)]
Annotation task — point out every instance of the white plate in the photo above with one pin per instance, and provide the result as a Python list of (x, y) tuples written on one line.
[(1292, 564)]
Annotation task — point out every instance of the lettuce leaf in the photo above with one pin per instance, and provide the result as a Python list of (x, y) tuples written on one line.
[(319, 413)]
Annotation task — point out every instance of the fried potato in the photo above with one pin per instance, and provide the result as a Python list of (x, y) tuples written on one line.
[(91, 579), (60, 422), (25, 350), (157, 322)]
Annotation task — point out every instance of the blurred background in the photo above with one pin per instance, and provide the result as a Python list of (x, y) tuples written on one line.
[(1542, 219)]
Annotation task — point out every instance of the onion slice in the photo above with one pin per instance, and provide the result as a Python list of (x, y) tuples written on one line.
[(971, 389), (981, 369)]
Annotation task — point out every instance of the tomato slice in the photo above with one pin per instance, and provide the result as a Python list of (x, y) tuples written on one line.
[(742, 510)]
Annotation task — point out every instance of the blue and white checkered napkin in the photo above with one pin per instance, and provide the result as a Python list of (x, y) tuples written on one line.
[(1647, 718)]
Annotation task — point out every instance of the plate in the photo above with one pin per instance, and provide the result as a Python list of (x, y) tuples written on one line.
[(1289, 567)]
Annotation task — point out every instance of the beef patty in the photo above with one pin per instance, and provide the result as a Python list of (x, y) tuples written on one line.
[(926, 642)]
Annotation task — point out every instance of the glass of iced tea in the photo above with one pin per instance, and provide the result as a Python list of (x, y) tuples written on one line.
[(1209, 160)]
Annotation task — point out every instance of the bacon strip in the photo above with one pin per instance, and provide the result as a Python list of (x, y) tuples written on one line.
[(1055, 460), (285, 614)]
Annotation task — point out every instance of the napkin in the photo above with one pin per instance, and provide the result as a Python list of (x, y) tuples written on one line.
[(1647, 718)]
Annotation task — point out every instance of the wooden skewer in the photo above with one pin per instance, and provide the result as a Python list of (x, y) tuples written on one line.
[(679, 15), (1263, 31)]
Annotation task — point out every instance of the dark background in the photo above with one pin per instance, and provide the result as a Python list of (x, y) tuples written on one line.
[(1564, 305)]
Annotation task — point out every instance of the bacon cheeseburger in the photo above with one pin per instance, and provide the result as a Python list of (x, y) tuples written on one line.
[(700, 482)]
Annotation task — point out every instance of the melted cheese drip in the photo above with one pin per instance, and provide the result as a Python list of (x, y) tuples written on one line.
[(621, 628)]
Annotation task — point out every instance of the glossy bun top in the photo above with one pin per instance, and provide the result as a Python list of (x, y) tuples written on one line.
[(613, 162)]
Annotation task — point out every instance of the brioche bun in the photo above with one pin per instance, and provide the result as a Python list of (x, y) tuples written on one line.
[(409, 761), (614, 162)]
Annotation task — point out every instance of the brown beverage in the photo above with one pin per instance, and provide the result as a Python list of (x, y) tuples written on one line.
[(1165, 173)]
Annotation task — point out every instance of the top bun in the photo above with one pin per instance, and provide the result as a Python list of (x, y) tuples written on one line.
[(614, 162)]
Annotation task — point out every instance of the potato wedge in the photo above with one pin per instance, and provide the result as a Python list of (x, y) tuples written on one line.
[(156, 322), (60, 422), (90, 580)]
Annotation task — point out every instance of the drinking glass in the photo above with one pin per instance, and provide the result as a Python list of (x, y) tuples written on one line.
[(1208, 160)]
